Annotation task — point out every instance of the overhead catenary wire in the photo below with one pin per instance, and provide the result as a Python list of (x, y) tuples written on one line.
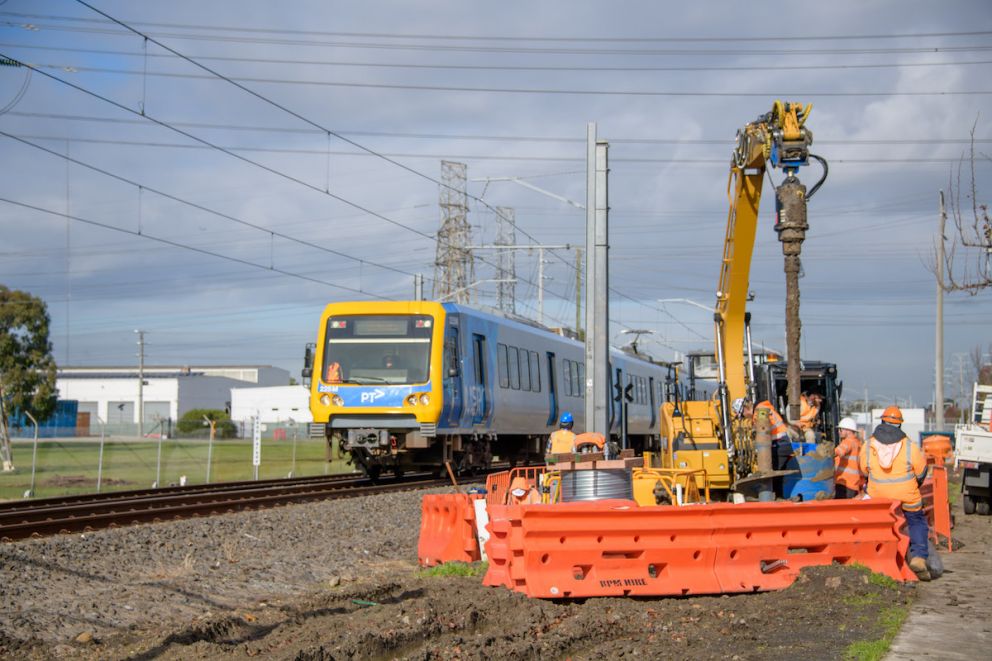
[(200, 207), (178, 244), (267, 168), (487, 37), (460, 48), (499, 138)]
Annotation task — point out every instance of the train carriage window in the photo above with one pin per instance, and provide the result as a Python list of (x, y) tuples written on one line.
[(501, 367), (535, 372), (524, 369), (574, 369), (566, 375), (513, 362)]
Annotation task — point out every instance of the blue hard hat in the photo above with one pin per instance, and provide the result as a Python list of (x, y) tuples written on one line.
[(566, 418)]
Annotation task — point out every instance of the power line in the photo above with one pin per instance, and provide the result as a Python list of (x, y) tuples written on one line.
[(503, 49), (500, 67), (293, 113), (201, 207), (485, 137), (449, 37), (503, 90), (184, 246), (435, 156)]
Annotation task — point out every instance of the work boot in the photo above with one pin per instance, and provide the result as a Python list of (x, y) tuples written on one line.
[(919, 567)]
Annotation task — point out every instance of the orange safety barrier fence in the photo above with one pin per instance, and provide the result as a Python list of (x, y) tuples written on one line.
[(447, 530), (498, 484), (936, 504), (615, 548)]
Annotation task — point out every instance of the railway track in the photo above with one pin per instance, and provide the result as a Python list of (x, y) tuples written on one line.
[(52, 516)]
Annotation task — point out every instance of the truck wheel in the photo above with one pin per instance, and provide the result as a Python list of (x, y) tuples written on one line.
[(982, 507), (969, 504)]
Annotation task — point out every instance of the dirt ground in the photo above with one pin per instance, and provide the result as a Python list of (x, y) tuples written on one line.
[(388, 609)]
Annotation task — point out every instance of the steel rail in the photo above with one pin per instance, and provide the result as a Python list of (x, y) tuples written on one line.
[(142, 507)]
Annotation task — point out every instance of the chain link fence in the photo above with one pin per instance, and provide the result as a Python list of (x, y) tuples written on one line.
[(119, 457)]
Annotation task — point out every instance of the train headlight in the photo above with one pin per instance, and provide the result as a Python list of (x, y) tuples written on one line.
[(412, 400), (337, 401), (425, 399), (325, 400)]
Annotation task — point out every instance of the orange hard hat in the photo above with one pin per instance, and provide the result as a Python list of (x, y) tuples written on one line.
[(892, 415)]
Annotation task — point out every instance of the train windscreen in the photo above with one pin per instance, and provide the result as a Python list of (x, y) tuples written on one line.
[(370, 349)]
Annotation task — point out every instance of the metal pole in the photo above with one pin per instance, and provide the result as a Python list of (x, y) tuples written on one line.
[(600, 341), (99, 468), (418, 286), (938, 407), (210, 447), (590, 396), (578, 291), (540, 286), (141, 382), (791, 225), (158, 463), (753, 387), (34, 455), (294, 453)]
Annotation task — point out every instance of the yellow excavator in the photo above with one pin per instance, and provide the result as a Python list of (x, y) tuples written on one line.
[(700, 433)]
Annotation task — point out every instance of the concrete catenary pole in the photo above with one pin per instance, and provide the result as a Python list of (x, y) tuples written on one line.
[(597, 285), (938, 399)]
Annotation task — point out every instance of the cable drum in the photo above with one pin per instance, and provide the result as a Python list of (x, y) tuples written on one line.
[(585, 485)]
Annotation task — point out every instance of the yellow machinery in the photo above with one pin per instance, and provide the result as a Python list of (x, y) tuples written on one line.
[(698, 435)]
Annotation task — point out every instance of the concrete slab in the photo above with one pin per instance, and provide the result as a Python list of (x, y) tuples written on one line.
[(952, 617)]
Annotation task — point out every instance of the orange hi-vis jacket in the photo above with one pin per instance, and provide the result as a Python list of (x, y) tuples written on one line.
[(807, 414), (562, 441), (779, 431), (847, 472), (901, 480)]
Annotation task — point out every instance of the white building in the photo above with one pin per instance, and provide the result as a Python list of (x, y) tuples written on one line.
[(279, 404), (111, 393)]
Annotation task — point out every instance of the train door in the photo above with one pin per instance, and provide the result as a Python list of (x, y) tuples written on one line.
[(552, 391), (451, 375), (481, 385), (652, 402)]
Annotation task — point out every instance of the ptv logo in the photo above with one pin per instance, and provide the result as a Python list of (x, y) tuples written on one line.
[(369, 396)]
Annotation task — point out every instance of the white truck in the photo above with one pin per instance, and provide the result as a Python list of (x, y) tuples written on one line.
[(973, 453)]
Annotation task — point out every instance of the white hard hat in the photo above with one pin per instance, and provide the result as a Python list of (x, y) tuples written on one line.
[(848, 424)]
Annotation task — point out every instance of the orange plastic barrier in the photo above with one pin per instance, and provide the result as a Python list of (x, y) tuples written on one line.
[(498, 484), (447, 530), (615, 548), (936, 503)]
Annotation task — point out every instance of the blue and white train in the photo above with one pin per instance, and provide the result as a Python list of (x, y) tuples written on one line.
[(411, 385)]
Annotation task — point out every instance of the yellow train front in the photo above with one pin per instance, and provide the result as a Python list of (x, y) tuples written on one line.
[(414, 384)]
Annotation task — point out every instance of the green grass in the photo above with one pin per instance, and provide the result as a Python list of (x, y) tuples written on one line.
[(863, 600), (67, 467), (456, 569), (891, 620), (881, 580)]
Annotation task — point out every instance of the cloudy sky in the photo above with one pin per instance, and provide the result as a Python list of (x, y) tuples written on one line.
[(220, 208)]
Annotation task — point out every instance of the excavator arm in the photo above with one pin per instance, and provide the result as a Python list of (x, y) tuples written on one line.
[(780, 139)]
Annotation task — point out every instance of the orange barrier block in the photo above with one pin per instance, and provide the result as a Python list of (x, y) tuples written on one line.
[(447, 530), (616, 548), (936, 503), (763, 546)]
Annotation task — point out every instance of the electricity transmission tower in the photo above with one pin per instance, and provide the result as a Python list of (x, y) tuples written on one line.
[(506, 235), (454, 270)]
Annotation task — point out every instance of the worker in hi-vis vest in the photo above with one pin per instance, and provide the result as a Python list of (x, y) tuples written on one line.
[(562, 440), (895, 468)]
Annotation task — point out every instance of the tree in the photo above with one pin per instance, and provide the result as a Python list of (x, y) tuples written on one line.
[(967, 249), (192, 422), (27, 369)]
